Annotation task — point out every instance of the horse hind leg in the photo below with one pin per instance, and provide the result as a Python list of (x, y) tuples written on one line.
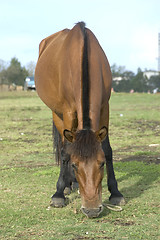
[(58, 199), (116, 198), (65, 178), (64, 182), (71, 183)]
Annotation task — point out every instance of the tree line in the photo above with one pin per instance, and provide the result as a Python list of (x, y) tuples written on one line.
[(123, 80), (126, 81), (14, 72)]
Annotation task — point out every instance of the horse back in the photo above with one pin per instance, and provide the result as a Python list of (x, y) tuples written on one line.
[(58, 74)]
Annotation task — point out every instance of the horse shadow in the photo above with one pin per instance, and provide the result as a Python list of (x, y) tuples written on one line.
[(142, 175)]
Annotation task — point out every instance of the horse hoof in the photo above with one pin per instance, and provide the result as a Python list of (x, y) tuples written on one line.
[(67, 191), (120, 201), (57, 202)]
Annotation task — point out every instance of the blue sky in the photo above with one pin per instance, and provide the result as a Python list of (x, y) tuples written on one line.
[(126, 29)]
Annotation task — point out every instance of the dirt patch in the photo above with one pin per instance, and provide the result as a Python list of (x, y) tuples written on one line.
[(143, 125), (137, 153), (121, 222), (82, 237), (145, 159), (91, 238)]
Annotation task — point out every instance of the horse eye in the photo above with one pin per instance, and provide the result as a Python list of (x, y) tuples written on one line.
[(102, 164), (74, 166)]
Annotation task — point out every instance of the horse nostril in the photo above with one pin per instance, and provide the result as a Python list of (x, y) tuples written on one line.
[(92, 212)]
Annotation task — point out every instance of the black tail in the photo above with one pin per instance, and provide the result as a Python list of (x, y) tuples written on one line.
[(85, 79), (57, 144)]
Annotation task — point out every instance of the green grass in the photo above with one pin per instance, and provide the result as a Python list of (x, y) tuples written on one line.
[(28, 173)]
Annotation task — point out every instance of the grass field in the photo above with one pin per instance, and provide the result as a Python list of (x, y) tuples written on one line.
[(28, 173)]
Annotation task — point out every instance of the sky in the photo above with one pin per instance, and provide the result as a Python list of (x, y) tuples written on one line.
[(126, 29)]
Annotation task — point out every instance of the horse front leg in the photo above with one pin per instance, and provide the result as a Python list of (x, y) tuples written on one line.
[(116, 198)]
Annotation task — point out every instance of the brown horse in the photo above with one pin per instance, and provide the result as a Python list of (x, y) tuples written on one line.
[(73, 79)]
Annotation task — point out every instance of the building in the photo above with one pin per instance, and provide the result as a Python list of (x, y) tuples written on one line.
[(150, 73)]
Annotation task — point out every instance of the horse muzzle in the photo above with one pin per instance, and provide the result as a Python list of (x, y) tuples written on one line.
[(92, 212)]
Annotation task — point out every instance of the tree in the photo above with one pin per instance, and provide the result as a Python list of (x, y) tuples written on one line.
[(122, 86), (128, 75), (3, 66), (117, 71), (15, 73), (139, 83), (154, 82), (124, 83), (128, 80), (31, 68)]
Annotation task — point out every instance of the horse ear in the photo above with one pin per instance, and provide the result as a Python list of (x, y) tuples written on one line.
[(70, 136), (101, 134)]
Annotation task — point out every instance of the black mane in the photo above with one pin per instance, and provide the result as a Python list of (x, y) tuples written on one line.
[(85, 145)]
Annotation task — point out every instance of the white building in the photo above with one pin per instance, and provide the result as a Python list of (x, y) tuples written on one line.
[(150, 73), (117, 79)]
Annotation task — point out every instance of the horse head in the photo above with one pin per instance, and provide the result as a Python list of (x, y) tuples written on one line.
[(87, 160)]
